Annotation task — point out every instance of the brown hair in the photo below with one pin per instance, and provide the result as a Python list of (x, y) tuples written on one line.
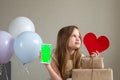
[(61, 52)]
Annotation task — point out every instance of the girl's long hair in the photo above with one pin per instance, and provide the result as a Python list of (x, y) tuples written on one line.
[(61, 51)]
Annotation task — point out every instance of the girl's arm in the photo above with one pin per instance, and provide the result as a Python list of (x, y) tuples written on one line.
[(53, 69), (52, 72)]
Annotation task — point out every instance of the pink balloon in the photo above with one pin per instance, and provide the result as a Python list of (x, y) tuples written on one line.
[(6, 47)]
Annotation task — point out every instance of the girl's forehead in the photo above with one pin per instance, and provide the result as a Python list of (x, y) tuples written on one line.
[(75, 30)]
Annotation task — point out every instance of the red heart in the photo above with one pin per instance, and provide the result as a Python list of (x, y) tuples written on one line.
[(94, 44)]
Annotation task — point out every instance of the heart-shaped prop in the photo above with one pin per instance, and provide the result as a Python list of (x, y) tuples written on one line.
[(94, 44)]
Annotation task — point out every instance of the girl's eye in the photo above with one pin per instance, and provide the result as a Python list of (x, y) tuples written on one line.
[(73, 35)]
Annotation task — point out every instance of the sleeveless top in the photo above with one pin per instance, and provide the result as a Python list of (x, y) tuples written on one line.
[(68, 68)]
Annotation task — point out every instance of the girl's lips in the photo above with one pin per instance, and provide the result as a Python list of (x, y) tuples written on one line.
[(77, 42)]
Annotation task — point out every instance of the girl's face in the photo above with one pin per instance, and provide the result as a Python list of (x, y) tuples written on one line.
[(74, 40)]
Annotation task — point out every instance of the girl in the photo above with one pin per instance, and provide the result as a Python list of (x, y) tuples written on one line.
[(67, 54)]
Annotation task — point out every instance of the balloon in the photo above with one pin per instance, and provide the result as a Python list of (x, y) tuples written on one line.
[(27, 46), (6, 47), (19, 25)]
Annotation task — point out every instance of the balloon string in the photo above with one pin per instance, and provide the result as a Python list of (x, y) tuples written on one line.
[(5, 72), (26, 70), (0, 69), (2, 66)]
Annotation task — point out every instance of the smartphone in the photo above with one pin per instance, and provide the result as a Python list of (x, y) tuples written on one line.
[(46, 53)]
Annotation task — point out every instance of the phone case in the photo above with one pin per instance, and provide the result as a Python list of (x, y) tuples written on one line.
[(45, 53)]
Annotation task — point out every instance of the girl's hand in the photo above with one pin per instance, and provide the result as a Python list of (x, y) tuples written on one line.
[(95, 54)]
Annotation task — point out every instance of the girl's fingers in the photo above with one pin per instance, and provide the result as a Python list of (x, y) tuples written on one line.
[(95, 54)]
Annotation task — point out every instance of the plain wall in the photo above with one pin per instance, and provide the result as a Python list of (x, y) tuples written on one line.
[(101, 17)]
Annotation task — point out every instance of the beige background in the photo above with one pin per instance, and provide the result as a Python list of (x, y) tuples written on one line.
[(99, 16)]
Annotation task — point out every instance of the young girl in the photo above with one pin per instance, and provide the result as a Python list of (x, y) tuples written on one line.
[(67, 54)]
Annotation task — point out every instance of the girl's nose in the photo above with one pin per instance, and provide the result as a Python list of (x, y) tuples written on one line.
[(77, 38)]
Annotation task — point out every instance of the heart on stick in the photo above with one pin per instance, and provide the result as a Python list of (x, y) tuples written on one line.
[(93, 44)]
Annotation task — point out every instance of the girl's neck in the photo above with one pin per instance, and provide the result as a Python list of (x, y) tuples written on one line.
[(71, 53)]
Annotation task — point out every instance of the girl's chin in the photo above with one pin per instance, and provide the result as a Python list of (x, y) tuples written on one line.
[(77, 47)]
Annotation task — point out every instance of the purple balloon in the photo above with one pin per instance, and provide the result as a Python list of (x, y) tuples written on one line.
[(6, 47)]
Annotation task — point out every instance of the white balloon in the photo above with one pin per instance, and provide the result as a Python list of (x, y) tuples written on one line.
[(19, 25)]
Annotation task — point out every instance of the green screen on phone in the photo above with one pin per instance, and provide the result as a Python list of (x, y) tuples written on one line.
[(45, 53)]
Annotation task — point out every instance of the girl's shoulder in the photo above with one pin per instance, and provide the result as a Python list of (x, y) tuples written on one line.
[(53, 59)]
